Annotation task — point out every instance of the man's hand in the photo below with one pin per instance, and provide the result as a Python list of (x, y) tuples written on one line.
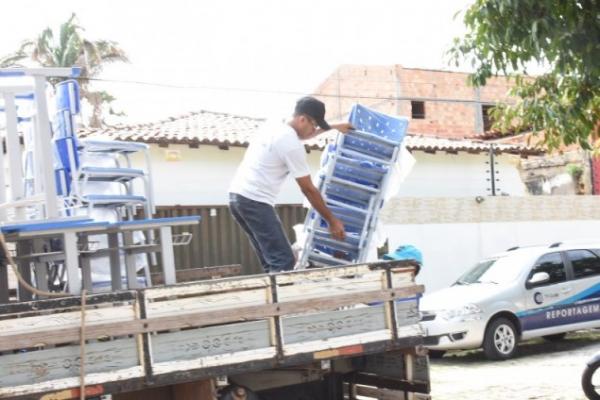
[(336, 228), (343, 127)]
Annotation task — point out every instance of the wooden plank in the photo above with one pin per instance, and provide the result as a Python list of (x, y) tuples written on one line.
[(202, 342), (407, 312), (220, 301), (26, 325), (402, 278), (327, 325), (322, 273), (224, 359), (331, 287), (417, 368), (63, 362), (53, 336), (410, 331), (60, 304), (337, 346), (198, 274), (217, 285), (55, 386)]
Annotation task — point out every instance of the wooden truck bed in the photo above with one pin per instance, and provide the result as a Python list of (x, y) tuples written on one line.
[(180, 333)]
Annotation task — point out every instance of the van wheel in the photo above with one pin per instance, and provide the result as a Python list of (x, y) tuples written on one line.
[(500, 341), (555, 338)]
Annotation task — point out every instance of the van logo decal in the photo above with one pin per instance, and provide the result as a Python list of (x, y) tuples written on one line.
[(538, 298)]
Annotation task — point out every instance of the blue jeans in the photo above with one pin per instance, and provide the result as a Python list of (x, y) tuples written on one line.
[(263, 227)]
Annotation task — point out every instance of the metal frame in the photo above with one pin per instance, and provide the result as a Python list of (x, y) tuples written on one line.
[(371, 213)]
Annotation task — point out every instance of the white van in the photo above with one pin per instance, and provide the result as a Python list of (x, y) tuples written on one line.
[(539, 291)]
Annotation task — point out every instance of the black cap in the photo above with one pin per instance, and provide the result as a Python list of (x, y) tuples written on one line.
[(313, 108)]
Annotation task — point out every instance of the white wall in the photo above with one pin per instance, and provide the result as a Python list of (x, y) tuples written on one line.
[(202, 175), (449, 249), (462, 174)]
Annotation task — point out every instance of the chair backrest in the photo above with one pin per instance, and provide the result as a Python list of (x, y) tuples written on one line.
[(65, 135), (387, 126)]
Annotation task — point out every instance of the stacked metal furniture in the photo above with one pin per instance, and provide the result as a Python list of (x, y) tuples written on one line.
[(356, 176), (107, 163), (67, 209)]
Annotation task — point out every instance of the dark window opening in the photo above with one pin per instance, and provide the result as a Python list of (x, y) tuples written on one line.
[(417, 109), (486, 112)]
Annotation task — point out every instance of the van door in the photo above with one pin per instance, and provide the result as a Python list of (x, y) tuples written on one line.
[(585, 301), (544, 301)]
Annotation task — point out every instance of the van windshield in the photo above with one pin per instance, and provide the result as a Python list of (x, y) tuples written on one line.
[(495, 270)]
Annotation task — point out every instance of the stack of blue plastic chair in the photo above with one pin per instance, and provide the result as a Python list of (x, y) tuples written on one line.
[(73, 173), (356, 177)]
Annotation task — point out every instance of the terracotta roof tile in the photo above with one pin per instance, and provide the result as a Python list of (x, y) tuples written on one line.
[(221, 129)]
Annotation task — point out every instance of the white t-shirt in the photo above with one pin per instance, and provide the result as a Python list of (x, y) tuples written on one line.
[(274, 152)]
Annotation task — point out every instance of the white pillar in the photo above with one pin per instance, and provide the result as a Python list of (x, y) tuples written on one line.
[(13, 149), (44, 142)]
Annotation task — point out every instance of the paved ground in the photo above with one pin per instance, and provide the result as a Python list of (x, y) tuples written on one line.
[(542, 370)]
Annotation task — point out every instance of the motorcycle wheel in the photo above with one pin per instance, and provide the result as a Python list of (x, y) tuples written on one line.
[(590, 381)]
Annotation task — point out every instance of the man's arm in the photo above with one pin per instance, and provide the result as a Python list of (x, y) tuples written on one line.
[(336, 227)]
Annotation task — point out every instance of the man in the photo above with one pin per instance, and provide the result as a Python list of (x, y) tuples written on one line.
[(277, 151)]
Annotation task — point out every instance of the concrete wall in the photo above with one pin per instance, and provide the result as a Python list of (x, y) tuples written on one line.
[(454, 233)]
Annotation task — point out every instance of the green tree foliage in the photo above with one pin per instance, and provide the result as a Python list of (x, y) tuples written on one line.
[(68, 47), (507, 36)]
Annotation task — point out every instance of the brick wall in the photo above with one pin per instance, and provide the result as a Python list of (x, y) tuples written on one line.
[(454, 119)]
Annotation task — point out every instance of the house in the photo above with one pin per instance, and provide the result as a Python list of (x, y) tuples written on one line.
[(441, 104), (195, 156)]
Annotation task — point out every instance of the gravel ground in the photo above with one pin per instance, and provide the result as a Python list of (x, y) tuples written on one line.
[(541, 370)]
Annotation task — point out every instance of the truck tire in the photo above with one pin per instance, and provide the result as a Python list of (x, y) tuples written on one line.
[(591, 383), (234, 392), (500, 341)]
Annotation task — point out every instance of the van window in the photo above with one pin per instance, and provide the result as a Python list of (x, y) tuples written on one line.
[(584, 262), (552, 264)]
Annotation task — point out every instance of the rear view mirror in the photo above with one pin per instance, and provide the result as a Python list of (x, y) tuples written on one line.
[(538, 278)]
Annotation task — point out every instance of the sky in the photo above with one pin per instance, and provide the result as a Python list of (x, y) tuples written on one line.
[(265, 53)]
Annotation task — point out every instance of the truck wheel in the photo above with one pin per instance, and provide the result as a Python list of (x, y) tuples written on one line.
[(555, 338), (236, 392), (500, 341), (590, 381)]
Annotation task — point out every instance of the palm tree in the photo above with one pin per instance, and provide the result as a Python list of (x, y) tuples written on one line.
[(67, 48)]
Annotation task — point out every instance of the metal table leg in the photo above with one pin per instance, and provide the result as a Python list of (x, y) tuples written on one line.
[(130, 265), (24, 266), (71, 262), (86, 265), (167, 254), (40, 269), (115, 261)]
